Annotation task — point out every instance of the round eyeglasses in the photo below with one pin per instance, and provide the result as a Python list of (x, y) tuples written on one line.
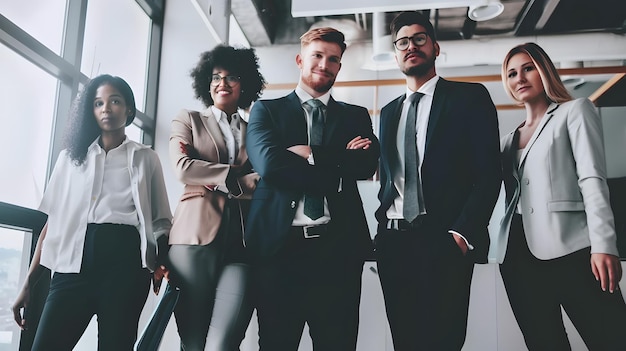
[(216, 79), (418, 39)]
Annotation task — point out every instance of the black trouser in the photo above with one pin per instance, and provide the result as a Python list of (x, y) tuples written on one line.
[(213, 310), (111, 284), (537, 289), (308, 281), (426, 286)]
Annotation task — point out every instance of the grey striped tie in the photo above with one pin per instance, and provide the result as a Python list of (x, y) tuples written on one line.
[(413, 197)]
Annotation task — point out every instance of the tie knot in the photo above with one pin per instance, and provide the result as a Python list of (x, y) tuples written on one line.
[(415, 97), (314, 103)]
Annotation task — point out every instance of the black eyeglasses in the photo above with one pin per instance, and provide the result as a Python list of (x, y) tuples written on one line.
[(216, 79), (418, 39)]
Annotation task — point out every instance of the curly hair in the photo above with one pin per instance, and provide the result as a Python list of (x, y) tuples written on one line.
[(242, 62), (82, 128)]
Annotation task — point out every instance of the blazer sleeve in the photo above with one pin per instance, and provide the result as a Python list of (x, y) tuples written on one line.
[(268, 153), (585, 130), (486, 169), (352, 164), (201, 165)]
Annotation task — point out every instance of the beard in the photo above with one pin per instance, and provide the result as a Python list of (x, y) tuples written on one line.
[(318, 86), (421, 69)]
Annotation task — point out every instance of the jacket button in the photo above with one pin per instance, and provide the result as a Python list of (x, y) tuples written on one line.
[(532, 210), (526, 181), (293, 204)]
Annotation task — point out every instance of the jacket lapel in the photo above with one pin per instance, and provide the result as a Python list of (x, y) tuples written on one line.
[(439, 102), (242, 154), (215, 133), (390, 130), (333, 114), (546, 118)]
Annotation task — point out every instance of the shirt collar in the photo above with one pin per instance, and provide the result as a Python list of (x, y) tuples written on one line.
[(427, 88), (304, 96), (95, 146), (218, 114)]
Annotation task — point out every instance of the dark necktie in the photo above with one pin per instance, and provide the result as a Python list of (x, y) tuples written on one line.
[(413, 198), (314, 205)]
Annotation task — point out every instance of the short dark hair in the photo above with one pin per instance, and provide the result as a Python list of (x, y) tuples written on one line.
[(408, 18), (327, 34), (242, 62), (82, 128)]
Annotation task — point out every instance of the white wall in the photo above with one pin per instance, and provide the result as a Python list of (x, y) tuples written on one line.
[(491, 325)]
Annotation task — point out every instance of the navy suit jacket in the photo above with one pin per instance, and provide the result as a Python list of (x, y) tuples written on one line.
[(461, 169), (278, 124)]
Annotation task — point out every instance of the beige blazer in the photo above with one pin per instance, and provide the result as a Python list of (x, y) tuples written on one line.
[(560, 184), (198, 214)]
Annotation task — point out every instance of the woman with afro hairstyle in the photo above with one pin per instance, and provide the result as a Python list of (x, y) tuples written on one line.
[(207, 258), (107, 208)]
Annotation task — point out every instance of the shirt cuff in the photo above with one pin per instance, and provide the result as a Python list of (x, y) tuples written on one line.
[(469, 246)]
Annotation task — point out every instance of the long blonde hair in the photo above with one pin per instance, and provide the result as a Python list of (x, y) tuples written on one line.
[(553, 86)]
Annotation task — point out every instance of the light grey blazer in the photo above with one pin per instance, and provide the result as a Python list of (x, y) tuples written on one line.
[(560, 185)]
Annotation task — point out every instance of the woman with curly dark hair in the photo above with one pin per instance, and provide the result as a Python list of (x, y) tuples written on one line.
[(107, 208), (207, 259)]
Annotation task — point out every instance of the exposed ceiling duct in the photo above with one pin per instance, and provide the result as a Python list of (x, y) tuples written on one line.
[(365, 24)]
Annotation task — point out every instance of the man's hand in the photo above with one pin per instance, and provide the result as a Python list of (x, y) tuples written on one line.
[(359, 143), (303, 151), (461, 243), (607, 269)]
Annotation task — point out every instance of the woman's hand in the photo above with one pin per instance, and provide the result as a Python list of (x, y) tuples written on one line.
[(607, 269), (188, 150), (19, 306), (157, 278)]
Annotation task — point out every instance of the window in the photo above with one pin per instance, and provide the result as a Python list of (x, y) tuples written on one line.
[(43, 20), (28, 101), (14, 258), (117, 34)]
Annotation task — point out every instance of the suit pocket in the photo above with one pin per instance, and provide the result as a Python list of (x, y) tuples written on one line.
[(560, 206)]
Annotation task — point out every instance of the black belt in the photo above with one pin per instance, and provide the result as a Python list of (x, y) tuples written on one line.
[(312, 231), (404, 225)]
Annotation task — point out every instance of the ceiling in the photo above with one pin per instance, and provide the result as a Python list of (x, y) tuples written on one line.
[(271, 22)]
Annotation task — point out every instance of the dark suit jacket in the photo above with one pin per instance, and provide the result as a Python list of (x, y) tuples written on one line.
[(278, 124), (461, 172)]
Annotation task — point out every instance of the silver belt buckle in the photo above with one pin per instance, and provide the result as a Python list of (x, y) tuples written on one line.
[(305, 229)]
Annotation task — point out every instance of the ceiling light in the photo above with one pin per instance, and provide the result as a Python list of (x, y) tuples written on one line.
[(485, 10)]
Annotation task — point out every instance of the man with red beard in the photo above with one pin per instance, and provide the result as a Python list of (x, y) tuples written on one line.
[(306, 227), (439, 182)]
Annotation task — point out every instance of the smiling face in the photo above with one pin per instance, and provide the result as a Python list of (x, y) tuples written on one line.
[(110, 109), (225, 94), (319, 63), (523, 79), (416, 60)]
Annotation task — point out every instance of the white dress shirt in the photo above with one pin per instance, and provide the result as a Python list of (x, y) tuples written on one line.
[(300, 218), (232, 135), (423, 114), (111, 196)]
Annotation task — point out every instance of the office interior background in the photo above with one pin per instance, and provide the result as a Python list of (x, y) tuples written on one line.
[(49, 48)]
